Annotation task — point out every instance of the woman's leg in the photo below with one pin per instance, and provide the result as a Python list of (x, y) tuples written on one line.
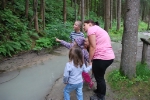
[(99, 67), (79, 92)]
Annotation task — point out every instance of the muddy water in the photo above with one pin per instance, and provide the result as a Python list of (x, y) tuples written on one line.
[(32, 83), (35, 82)]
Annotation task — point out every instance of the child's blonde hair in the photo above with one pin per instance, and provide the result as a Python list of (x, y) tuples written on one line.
[(79, 23), (75, 55)]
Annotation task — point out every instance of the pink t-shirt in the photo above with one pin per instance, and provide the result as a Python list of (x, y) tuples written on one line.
[(104, 49)]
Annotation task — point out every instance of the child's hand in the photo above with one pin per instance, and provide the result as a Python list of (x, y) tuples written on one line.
[(57, 39)]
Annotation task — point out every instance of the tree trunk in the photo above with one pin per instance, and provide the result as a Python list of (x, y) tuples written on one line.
[(87, 9), (36, 25), (118, 14), (26, 8), (75, 9), (148, 21), (64, 11), (116, 9), (42, 12), (79, 8), (107, 15), (111, 12), (82, 12), (129, 43), (3, 4)]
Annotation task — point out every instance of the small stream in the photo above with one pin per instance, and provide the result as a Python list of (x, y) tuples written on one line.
[(35, 82)]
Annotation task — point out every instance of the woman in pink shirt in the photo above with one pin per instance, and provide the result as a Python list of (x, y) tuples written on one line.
[(101, 55)]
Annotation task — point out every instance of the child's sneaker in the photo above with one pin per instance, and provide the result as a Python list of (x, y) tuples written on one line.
[(91, 85)]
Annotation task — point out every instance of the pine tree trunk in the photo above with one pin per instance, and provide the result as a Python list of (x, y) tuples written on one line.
[(3, 4), (130, 36), (64, 11), (111, 13), (107, 15), (82, 12), (75, 9), (26, 8), (118, 14), (36, 25)]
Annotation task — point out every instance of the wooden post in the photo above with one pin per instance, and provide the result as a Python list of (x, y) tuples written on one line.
[(144, 50)]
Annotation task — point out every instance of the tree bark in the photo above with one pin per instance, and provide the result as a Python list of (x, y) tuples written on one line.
[(87, 9), (111, 13), (42, 13), (82, 12), (3, 4), (75, 9), (129, 41), (26, 8), (118, 14), (107, 15), (36, 25), (64, 11)]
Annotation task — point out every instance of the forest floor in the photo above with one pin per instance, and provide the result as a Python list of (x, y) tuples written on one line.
[(56, 93)]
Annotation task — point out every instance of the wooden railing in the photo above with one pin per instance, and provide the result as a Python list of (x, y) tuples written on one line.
[(144, 50)]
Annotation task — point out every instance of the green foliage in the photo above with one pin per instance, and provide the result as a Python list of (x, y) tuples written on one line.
[(10, 47), (115, 35), (43, 43), (142, 26), (124, 85)]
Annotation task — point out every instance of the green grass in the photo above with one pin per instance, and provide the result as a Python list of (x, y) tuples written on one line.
[(142, 26), (138, 87)]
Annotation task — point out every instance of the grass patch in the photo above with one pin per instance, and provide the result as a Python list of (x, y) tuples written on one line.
[(142, 26), (138, 87)]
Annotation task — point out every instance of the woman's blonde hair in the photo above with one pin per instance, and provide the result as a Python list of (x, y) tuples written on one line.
[(75, 55)]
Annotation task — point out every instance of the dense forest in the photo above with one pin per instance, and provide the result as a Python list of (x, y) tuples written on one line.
[(33, 24)]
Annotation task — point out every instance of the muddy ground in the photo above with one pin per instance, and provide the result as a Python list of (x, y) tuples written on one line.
[(56, 93)]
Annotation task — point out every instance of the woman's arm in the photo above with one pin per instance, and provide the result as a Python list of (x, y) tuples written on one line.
[(92, 42)]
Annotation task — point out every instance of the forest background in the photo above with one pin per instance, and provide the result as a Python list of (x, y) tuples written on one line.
[(27, 25), (33, 24)]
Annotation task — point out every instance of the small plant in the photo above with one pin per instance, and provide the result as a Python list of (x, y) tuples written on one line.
[(136, 87)]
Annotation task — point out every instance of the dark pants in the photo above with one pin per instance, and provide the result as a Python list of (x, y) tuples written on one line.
[(99, 67)]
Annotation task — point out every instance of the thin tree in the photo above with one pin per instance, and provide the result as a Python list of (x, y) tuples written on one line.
[(26, 8), (111, 13), (130, 36), (118, 14), (64, 11), (36, 25), (42, 12), (82, 12), (3, 4), (87, 2), (75, 9), (107, 15)]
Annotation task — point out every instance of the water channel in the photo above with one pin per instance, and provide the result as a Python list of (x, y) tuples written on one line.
[(35, 82)]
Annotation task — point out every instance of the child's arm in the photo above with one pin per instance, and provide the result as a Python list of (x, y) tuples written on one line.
[(64, 43), (87, 69), (66, 74), (86, 55)]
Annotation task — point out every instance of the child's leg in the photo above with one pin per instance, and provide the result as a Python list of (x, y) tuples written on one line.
[(79, 91), (87, 79), (67, 91)]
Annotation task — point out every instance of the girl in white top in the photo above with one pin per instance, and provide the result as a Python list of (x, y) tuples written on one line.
[(73, 73)]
